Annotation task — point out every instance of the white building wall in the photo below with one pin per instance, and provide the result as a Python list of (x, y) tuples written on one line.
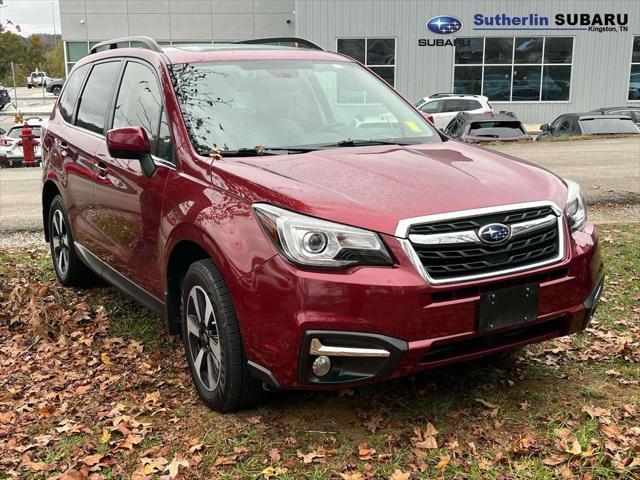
[(600, 67)]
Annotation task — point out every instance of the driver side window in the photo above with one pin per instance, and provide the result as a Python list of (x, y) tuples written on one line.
[(432, 107), (139, 104)]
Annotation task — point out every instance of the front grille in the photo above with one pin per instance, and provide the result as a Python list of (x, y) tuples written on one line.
[(445, 261)]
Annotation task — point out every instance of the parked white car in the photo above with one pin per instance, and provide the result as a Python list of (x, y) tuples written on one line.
[(38, 79), (10, 142), (445, 106)]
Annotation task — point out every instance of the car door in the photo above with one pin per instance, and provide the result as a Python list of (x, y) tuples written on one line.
[(128, 203), (77, 146), (67, 148)]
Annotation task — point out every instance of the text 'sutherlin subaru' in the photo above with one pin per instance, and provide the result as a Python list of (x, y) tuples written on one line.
[(299, 223)]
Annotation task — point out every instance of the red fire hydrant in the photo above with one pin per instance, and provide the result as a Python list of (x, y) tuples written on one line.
[(28, 142)]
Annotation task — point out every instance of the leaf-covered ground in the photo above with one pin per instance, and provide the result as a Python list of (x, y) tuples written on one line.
[(91, 387)]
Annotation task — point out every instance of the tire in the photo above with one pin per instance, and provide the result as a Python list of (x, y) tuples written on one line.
[(70, 270), (56, 90), (212, 341)]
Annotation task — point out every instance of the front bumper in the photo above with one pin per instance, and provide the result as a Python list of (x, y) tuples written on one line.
[(281, 309)]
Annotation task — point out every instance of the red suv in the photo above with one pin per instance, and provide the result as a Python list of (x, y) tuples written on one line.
[(244, 191)]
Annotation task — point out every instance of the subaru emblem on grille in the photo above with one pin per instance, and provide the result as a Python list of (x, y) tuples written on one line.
[(494, 233)]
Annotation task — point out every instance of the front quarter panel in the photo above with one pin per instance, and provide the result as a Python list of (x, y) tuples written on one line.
[(220, 222)]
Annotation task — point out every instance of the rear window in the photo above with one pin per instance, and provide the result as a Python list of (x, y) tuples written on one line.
[(608, 125), (71, 92), (95, 97), (16, 131), (496, 129)]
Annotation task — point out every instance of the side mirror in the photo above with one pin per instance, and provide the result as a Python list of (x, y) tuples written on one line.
[(131, 143), (128, 142), (544, 127)]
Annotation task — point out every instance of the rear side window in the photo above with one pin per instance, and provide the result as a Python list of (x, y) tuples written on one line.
[(139, 104), (71, 92), (471, 105), (96, 95)]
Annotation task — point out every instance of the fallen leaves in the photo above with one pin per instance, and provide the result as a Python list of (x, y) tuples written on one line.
[(364, 452), (425, 439), (78, 402)]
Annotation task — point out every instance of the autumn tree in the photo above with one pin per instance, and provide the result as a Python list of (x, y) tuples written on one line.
[(54, 61), (12, 49)]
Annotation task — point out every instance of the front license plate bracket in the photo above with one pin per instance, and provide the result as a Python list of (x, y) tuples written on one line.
[(508, 307)]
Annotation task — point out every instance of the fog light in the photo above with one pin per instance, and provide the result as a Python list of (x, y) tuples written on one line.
[(321, 366)]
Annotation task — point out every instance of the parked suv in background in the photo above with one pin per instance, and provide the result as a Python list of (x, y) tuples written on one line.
[(55, 86), (443, 107), (226, 187), (474, 128)]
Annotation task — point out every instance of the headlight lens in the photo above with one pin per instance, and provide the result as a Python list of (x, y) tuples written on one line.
[(313, 242), (575, 208)]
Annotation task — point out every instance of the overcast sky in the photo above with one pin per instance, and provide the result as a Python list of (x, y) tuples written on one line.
[(33, 16)]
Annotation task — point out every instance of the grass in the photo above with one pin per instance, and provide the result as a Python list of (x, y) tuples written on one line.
[(532, 401)]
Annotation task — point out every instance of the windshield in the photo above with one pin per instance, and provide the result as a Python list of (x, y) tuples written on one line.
[(496, 129), (608, 125), (291, 103)]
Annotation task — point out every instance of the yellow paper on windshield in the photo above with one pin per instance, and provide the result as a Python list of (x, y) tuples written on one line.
[(413, 126)]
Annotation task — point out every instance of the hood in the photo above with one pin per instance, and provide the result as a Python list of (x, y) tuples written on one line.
[(376, 187)]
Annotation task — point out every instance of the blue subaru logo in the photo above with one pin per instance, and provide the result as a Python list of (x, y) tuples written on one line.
[(444, 25), (494, 233)]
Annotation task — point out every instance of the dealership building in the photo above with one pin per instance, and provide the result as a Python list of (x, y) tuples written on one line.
[(538, 59)]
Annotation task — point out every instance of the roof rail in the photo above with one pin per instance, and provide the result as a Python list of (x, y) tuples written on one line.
[(440, 95), (444, 94), (295, 41), (147, 42)]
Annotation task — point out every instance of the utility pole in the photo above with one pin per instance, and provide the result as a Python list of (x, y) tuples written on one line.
[(15, 92), (53, 19)]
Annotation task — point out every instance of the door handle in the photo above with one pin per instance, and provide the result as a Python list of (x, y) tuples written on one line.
[(62, 147), (102, 169)]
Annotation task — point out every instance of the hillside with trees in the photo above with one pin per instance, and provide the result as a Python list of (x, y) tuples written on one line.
[(39, 51)]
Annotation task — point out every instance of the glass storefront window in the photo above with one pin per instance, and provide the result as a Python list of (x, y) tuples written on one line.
[(517, 69)]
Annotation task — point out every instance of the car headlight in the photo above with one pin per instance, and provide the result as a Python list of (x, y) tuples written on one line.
[(575, 208), (312, 242)]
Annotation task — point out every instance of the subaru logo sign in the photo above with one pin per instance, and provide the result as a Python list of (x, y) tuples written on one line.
[(444, 25), (494, 233)]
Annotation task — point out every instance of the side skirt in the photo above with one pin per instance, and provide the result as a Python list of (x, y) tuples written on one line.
[(119, 281)]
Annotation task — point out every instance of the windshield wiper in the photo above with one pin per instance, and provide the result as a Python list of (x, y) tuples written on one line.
[(363, 143), (256, 152)]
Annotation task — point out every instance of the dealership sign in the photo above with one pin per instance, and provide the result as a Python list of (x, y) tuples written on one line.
[(444, 25)]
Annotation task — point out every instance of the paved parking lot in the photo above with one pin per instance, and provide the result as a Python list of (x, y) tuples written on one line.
[(608, 169)]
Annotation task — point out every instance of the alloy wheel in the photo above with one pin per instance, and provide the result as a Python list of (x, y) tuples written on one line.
[(60, 243), (203, 339)]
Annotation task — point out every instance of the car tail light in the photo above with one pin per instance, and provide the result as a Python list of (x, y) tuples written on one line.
[(4, 142), (488, 111)]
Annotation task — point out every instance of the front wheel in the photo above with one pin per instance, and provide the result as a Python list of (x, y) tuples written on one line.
[(56, 90), (212, 341)]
